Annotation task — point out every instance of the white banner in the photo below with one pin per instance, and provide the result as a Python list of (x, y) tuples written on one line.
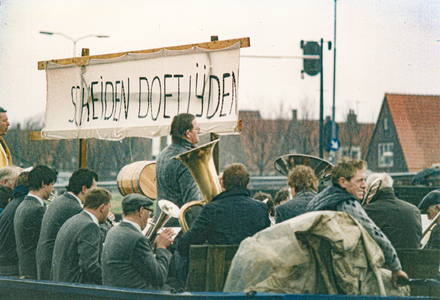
[(138, 95)]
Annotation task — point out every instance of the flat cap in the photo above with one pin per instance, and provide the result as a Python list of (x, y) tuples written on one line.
[(431, 199), (134, 202)]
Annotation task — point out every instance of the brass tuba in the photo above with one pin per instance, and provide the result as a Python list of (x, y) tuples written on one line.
[(322, 168), (200, 163), (168, 210)]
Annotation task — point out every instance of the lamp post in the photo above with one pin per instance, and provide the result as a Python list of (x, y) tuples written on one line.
[(74, 40)]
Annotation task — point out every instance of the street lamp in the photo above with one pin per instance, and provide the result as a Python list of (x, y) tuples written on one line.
[(74, 40)]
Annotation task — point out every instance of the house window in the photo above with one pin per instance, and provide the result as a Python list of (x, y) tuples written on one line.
[(352, 152), (386, 155), (385, 124)]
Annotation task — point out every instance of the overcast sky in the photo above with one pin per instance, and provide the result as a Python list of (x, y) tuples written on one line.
[(383, 46)]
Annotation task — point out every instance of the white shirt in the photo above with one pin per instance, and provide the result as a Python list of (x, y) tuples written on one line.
[(79, 201), (95, 219), (134, 224), (38, 198)]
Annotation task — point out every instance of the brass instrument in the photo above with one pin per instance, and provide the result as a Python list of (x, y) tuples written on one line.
[(322, 168), (168, 210), (371, 191), (110, 222), (428, 228), (200, 163)]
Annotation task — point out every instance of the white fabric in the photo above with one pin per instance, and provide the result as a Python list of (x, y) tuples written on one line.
[(325, 252), (137, 95)]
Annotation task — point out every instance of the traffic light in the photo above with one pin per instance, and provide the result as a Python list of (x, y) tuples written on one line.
[(312, 67)]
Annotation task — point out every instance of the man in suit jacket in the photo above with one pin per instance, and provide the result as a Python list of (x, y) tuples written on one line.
[(59, 211), (28, 217), (78, 246), (127, 258), (303, 187), (8, 247), (230, 217)]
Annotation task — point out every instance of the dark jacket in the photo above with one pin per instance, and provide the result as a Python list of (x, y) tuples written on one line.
[(228, 219), (174, 181), (128, 260), (434, 238), (77, 251), (294, 207), (8, 248), (338, 199), (399, 220), (59, 211), (27, 225)]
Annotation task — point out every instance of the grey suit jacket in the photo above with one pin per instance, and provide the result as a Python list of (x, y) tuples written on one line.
[(77, 251), (27, 225), (128, 260), (58, 212)]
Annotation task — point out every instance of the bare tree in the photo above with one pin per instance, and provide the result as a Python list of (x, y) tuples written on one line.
[(261, 142)]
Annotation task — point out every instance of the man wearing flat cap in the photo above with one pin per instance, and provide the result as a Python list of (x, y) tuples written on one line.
[(431, 206), (128, 259)]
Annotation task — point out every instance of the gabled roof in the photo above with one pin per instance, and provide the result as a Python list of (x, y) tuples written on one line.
[(416, 119)]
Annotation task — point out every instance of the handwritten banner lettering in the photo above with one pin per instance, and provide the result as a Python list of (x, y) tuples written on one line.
[(139, 94)]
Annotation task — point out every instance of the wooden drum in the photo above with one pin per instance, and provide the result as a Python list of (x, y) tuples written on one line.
[(138, 177)]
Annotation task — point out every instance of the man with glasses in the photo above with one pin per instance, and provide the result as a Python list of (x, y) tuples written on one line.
[(431, 206), (128, 259)]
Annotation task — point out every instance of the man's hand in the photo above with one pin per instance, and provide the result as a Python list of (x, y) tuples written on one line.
[(165, 238), (394, 276)]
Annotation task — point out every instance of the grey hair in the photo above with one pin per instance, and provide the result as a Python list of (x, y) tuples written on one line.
[(387, 181), (9, 173)]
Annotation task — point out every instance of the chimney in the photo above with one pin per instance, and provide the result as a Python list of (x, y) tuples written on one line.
[(294, 115), (351, 117)]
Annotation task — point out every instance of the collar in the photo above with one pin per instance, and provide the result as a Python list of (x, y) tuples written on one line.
[(38, 198), (95, 219), (134, 224), (79, 201), (184, 143)]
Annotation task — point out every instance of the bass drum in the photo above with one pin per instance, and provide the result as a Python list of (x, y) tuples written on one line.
[(138, 177)]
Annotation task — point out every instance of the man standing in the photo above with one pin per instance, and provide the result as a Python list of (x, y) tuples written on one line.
[(173, 179), (230, 217), (28, 217), (303, 187), (400, 221), (59, 211), (78, 245), (431, 206), (344, 194), (8, 248), (5, 154), (128, 259)]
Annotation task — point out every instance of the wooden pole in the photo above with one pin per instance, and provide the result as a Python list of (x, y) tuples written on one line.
[(82, 155)]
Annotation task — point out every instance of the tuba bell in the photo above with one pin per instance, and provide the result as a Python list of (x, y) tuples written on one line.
[(200, 163), (371, 191), (168, 210), (322, 168)]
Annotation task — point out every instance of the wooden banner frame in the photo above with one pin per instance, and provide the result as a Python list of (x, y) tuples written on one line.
[(215, 44)]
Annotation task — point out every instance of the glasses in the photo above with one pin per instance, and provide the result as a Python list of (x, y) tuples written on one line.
[(147, 208)]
